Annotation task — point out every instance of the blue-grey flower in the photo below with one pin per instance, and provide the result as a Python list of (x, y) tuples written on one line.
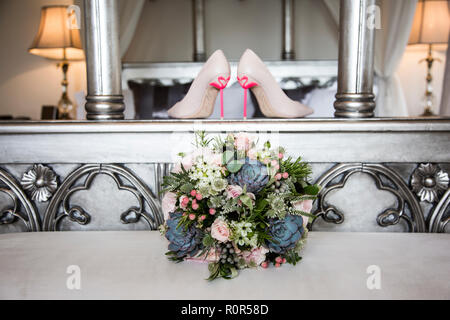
[(285, 233), (182, 241), (253, 174)]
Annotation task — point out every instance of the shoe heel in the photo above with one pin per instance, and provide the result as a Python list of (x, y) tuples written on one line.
[(220, 84), (246, 84)]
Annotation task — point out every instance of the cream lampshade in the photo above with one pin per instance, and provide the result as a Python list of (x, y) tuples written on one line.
[(431, 25), (56, 39), (431, 22)]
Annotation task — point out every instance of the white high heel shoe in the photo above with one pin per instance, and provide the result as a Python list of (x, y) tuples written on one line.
[(199, 101), (273, 102)]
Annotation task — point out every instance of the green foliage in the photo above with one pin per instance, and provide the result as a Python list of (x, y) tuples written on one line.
[(218, 144), (174, 181), (292, 257), (208, 244), (312, 189), (208, 240), (298, 169), (247, 201), (261, 204), (226, 271), (186, 187), (201, 139), (173, 256), (184, 222)]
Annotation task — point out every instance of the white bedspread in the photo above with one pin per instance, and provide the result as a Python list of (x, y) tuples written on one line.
[(132, 265)]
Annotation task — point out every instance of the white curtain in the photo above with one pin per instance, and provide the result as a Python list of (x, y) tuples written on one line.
[(333, 9), (390, 43), (129, 14)]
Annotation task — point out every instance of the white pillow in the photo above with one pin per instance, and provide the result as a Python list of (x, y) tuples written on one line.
[(321, 101)]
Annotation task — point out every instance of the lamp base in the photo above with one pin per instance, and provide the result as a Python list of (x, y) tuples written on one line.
[(66, 108), (427, 112)]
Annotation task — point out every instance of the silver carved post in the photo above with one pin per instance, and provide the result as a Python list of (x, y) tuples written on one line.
[(354, 97), (104, 100), (198, 8), (288, 30)]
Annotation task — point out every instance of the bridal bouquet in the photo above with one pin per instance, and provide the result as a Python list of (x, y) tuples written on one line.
[(236, 203)]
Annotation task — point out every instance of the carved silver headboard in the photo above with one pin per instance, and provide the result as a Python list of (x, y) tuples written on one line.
[(322, 71), (377, 175)]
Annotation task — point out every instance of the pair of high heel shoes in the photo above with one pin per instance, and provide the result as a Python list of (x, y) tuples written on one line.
[(252, 74)]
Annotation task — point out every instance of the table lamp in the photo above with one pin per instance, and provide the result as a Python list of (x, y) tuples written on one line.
[(58, 39), (430, 26)]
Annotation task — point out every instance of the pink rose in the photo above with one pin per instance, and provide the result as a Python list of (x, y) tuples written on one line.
[(168, 204), (215, 159), (257, 255), (243, 141), (233, 191), (207, 155), (187, 162), (220, 230), (305, 206)]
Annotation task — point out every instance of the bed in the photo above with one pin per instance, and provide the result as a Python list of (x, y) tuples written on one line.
[(132, 265)]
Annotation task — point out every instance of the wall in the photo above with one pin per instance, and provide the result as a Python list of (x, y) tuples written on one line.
[(164, 32), (27, 81)]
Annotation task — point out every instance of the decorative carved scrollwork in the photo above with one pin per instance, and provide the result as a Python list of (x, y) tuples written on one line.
[(79, 215), (438, 217), (28, 215), (388, 217)]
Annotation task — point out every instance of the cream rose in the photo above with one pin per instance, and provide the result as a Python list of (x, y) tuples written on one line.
[(243, 141), (220, 230), (187, 162), (305, 206), (257, 255), (233, 191), (168, 204)]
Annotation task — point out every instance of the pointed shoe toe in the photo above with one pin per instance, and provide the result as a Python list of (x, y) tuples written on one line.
[(273, 102), (199, 100)]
